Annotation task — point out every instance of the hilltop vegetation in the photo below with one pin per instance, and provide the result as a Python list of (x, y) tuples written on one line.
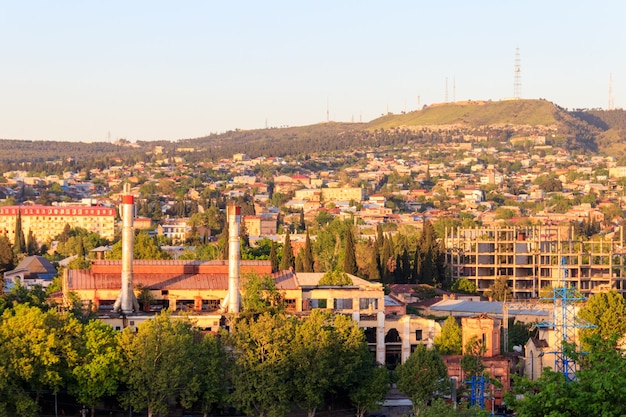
[(493, 122), (474, 114)]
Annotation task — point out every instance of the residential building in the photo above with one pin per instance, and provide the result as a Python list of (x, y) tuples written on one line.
[(47, 222), (33, 270)]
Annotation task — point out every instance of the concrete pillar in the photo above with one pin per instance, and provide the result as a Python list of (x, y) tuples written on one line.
[(380, 338), (356, 316), (406, 337)]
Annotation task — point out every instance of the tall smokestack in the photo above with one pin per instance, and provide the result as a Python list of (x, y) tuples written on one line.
[(126, 301), (234, 219)]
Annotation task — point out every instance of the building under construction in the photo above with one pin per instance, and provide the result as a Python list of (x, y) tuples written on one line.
[(535, 258)]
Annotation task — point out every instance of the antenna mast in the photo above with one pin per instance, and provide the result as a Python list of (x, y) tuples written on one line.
[(517, 81), (611, 102)]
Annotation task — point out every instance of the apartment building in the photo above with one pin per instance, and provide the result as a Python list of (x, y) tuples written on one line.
[(47, 222), (535, 258)]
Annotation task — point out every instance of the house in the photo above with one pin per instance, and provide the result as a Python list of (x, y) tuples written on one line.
[(33, 270)]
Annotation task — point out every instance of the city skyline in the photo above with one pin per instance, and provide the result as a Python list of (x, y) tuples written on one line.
[(157, 70)]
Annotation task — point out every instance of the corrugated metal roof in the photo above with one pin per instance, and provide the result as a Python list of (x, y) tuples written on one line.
[(459, 307), (83, 280)]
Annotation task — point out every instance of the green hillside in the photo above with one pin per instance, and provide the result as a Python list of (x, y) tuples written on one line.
[(476, 114)]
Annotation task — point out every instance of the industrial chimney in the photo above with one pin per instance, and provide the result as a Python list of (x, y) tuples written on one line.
[(234, 256), (126, 300)]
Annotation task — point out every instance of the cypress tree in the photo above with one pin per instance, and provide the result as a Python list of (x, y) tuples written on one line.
[(31, 244), (20, 242), (299, 261), (288, 259), (302, 222), (273, 257), (349, 260), (307, 255), (387, 261), (373, 267)]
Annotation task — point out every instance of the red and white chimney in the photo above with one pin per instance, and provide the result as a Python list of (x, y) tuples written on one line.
[(234, 257), (126, 301)]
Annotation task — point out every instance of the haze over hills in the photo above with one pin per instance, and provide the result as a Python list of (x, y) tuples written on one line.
[(491, 121)]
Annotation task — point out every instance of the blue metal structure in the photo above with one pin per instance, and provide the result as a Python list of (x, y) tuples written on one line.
[(565, 323), (477, 391)]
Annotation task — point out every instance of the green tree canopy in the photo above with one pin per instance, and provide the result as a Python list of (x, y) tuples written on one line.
[(145, 247), (423, 376), (159, 362), (449, 341), (606, 311), (99, 366)]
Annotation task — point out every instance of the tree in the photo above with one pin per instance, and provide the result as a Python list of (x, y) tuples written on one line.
[(373, 267), (37, 352), (31, 244), (145, 247), (422, 377), (499, 290), (464, 285), (211, 368), (372, 391), (598, 389), (335, 277), (349, 260), (99, 366), (472, 360), (260, 295), (606, 311), (6, 255), (387, 262), (262, 366), (287, 262), (273, 257), (158, 361), (19, 246), (313, 353), (449, 341), (307, 255)]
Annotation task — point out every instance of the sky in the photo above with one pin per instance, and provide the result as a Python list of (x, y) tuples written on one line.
[(152, 70)]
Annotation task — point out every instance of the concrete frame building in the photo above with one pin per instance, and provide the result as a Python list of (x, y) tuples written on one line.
[(535, 258)]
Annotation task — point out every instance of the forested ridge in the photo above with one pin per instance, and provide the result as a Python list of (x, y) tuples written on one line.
[(493, 122)]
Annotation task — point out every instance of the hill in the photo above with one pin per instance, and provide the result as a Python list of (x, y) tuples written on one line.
[(474, 114), (495, 122)]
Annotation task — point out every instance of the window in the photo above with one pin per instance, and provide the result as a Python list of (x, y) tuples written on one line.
[(418, 335)]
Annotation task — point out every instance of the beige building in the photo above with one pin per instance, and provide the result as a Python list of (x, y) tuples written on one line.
[(47, 222), (343, 194), (261, 225), (199, 288)]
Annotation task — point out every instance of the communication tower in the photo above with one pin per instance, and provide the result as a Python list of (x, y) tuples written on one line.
[(517, 80)]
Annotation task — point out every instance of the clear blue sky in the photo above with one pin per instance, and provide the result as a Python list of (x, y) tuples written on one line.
[(146, 70)]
